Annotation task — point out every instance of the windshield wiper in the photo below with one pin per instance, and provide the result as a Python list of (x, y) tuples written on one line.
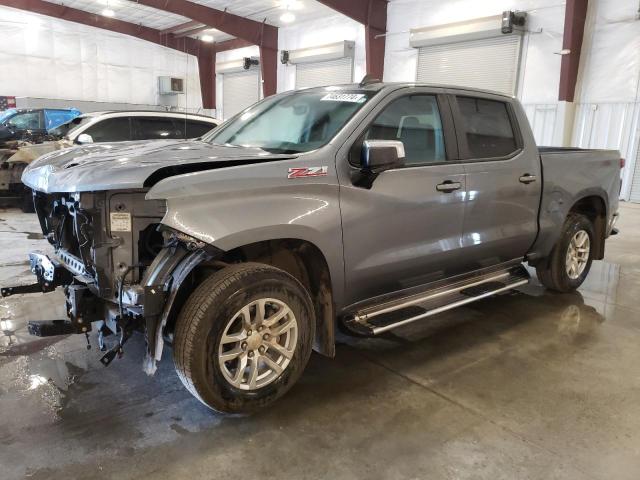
[(285, 151)]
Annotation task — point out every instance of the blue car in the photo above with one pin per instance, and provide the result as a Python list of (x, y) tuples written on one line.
[(33, 124)]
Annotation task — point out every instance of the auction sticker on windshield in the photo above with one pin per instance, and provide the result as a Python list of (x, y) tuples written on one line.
[(120, 222), (344, 97)]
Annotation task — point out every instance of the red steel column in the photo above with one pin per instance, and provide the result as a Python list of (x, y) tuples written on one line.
[(574, 21), (207, 72), (373, 15)]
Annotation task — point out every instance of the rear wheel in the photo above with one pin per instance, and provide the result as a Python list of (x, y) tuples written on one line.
[(571, 258), (244, 337)]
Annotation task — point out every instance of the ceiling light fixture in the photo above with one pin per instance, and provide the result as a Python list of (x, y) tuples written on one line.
[(207, 38), (107, 12), (287, 17)]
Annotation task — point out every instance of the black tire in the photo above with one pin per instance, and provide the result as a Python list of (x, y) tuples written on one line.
[(552, 272), (204, 317)]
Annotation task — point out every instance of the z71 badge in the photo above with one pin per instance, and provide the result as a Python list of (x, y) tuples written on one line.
[(302, 172)]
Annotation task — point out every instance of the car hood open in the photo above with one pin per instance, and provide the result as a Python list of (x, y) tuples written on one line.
[(128, 165)]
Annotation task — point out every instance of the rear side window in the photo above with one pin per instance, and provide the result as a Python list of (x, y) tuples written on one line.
[(487, 127), (155, 128), (415, 121), (110, 130), (197, 129)]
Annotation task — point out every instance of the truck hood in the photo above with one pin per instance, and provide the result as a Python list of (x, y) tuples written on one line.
[(128, 165)]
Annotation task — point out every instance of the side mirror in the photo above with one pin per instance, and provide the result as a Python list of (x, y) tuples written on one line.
[(381, 155), (84, 138)]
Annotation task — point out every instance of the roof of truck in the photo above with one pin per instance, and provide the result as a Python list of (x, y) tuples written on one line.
[(376, 86)]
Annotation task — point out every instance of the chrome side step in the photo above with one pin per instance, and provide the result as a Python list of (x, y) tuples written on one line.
[(387, 316)]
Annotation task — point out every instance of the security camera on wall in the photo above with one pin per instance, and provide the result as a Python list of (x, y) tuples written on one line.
[(249, 62), (512, 19)]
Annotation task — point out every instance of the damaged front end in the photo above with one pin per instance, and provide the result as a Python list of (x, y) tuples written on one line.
[(120, 268)]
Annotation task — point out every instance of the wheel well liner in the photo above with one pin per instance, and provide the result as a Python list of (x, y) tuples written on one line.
[(300, 258), (595, 209)]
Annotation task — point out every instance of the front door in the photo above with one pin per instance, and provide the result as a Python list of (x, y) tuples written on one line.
[(503, 180), (405, 228)]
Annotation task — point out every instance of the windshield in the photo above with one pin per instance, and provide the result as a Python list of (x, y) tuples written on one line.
[(26, 120), (293, 123), (7, 114)]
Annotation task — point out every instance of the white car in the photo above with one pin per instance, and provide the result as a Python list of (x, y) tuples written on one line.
[(121, 126), (98, 127)]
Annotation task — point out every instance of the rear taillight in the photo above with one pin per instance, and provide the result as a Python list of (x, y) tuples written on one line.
[(622, 162)]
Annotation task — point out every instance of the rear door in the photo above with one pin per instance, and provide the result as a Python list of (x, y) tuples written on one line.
[(403, 230), (503, 180), (156, 128)]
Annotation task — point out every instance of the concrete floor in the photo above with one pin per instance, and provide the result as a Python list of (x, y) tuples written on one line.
[(526, 385)]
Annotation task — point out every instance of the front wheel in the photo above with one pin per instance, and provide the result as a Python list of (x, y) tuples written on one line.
[(571, 258), (244, 337)]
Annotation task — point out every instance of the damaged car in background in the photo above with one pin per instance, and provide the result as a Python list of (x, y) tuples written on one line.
[(82, 131), (365, 207), (23, 130)]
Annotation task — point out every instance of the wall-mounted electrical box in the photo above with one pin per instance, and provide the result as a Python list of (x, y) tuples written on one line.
[(170, 85)]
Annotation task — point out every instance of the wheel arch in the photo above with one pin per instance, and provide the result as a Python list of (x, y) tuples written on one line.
[(302, 259), (594, 207)]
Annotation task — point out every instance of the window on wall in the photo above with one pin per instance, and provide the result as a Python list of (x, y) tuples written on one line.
[(486, 125), (415, 121)]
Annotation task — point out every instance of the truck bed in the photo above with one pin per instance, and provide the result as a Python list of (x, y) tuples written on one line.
[(570, 175)]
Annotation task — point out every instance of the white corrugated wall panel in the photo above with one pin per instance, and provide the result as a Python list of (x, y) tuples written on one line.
[(239, 91), (490, 63), (634, 191), (542, 118), (611, 126), (333, 72)]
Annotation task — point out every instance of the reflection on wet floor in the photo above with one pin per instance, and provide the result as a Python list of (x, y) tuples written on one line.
[(527, 382)]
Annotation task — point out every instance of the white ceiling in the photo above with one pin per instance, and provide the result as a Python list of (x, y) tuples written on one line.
[(259, 10), (127, 11)]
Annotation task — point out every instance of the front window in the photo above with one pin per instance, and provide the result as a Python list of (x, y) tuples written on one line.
[(26, 121), (293, 123)]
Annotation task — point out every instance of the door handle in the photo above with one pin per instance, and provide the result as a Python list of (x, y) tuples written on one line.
[(448, 186), (526, 178)]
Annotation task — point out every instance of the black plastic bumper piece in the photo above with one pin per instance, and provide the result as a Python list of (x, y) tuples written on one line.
[(50, 328), (20, 289)]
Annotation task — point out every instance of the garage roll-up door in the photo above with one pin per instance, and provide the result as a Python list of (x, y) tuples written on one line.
[(239, 90), (488, 63), (319, 74)]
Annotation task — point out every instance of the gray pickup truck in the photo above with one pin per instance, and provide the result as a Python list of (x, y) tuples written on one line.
[(361, 206)]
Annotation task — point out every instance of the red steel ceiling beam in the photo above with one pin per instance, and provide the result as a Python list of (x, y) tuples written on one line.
[(574, 20), (373, 15), (258, 33), (205, 52)]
